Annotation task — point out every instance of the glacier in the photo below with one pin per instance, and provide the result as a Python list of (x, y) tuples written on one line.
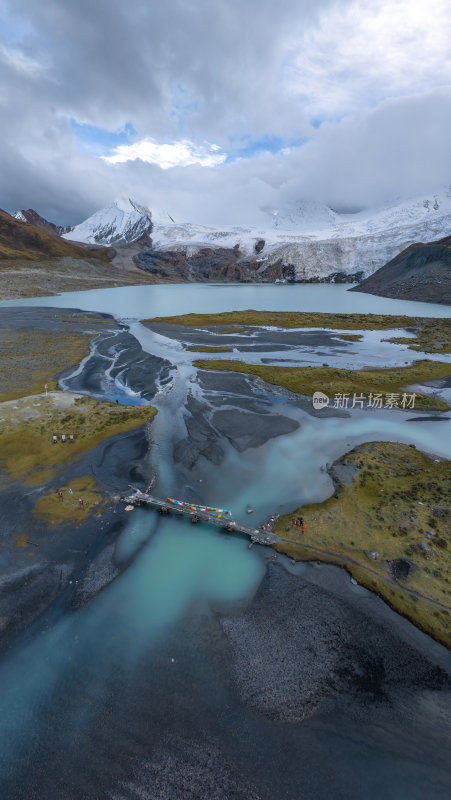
[(319, 242), (316, 240)]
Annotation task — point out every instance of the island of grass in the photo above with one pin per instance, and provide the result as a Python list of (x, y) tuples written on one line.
[(432, 335), (63, 504), (352, 337), (39, 361), (334, 381), (389, 524)]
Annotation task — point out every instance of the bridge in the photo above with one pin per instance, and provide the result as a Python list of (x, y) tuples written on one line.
[(262, 535)]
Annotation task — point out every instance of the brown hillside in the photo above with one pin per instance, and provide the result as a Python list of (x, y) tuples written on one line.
[(20, 240)]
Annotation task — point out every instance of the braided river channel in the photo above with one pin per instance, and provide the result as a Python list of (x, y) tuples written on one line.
[(199, 668)]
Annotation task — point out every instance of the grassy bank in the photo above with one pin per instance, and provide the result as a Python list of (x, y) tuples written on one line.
[(56, 511), (27, 428), (432, 335), (331, 380), (393, 501), (29, 359)]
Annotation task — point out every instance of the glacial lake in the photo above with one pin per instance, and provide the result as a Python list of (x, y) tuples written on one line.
[(151, 681), (143, 302)]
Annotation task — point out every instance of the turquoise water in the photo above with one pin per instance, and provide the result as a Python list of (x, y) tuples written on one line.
[(143, 302), (179, 566)]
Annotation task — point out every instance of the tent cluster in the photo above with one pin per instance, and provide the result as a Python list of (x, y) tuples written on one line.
[(221, 512)]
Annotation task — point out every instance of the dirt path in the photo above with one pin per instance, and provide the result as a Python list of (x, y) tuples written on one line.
[(345, 560)]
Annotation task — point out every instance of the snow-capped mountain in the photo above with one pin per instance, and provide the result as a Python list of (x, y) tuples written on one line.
[(314, 241), (318, 241), (124, 221)]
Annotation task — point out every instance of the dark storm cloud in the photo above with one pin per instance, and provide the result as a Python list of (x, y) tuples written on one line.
[(209, 64), (205, 72)]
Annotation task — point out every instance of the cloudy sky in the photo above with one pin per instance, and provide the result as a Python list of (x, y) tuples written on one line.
[(218, 110)]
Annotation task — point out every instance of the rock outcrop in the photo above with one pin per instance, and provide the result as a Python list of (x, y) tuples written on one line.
[(421, 272)]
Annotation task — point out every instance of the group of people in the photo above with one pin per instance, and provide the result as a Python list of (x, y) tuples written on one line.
[(81, 502), (298, 522)]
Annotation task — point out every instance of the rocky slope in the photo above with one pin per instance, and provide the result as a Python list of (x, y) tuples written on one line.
[(306, 242), (36, 263), (32, 216), (210, 264), (421, 272)]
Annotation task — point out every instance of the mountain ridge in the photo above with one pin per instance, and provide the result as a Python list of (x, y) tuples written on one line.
[(23, 240), (303, 241), (33, 218)]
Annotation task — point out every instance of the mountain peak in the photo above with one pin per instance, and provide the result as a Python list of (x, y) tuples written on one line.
[(33, 218), (124, 221), (128, 205)]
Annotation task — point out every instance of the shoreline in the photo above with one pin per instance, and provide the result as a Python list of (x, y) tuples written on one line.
[(391, 585)]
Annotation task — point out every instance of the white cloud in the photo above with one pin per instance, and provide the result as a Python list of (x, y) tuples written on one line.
[(178, 154), (196, 76), (363, 52), (17, 60)]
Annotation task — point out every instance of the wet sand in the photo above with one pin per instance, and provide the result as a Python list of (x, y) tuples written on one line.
[(260, 339)]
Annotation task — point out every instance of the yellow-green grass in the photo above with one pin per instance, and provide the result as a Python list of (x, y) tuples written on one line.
[(332, 381), (432, 335), (22, 540), (209, 349), (56, 511), (396, 496), (31, 358), (351, 337), (26, 435)]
